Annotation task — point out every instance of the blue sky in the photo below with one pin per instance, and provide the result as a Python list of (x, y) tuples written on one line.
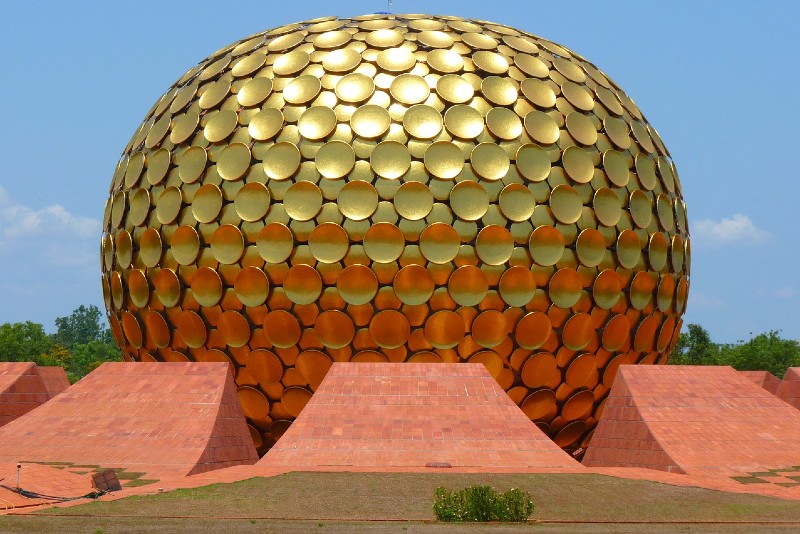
[(717, 79)]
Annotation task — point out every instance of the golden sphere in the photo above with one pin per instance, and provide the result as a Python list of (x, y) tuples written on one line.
[(398, 188)]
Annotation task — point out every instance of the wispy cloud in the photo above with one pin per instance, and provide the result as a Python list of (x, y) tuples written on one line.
[(737, 228), (20, 221), (703, 302)]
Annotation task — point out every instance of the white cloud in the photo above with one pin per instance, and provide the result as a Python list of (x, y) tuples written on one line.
[(20, 221), (703, 302), (735, 229)]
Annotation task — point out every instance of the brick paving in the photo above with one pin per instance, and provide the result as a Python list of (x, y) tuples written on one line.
[(25, 386), (704, 421), (765, 379), (413, 415), (163, 419), (789, 389)]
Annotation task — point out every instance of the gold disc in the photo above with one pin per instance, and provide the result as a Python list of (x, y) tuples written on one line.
[(390, 329), (444, 329), (490, 161), (517, 286), (489, 328), (629, 249), (517, 202), (422, 122), (357, 200), (206, 203), (317, 122), (252, 201), (281, 161), (313, 365), (302, 89), (504, 123), (566, 204), (254, 92), (494, 244), (302, 201), (409, 89), (533, 163), (539, 370), (469, 200), (265, 124), (607, 289), (384, 242), (590, 247), (227, 244), (334, 329), (607, 206), (445, 61), (439, 243), (538, 92), (463, 121), (220, 126), (355, 88), (234, 328), (302, 284), (413, 285), (275, 243), (454, 89), (396, 60), (167, 287), (565, 288), (444, 159), (541, 127), (578, 331), (206, 286), (264, 366), (281, 328), (251, 286), (499, 91), (370, 121), (328, 242), (390, 159), (546, 245), (357, 284), (185, 245), (335, 159), (467, 285)]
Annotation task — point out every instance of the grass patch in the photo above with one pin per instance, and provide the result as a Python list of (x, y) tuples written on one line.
[(482, 503)]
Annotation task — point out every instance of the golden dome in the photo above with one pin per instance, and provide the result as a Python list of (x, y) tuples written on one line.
[(398, 188)]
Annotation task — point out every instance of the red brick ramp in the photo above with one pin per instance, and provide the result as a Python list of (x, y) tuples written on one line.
[(157, 418), (695, 420), (389, 416), (25, 386), (765, 379), (789, 389)]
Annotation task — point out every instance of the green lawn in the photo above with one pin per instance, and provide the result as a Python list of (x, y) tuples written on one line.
[(401, 502)]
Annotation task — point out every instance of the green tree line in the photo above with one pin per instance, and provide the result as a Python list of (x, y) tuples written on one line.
[(80, 344), (763, 352)]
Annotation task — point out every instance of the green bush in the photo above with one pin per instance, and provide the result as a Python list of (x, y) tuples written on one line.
[(482, 503)]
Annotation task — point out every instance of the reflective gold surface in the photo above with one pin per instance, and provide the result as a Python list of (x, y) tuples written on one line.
[(398, 189)]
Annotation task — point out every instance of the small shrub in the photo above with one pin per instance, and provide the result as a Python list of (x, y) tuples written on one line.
[(482, 503)]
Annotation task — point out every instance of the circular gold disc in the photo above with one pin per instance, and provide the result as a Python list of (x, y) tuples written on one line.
[(357, 200), (467, 285), (370, 121), (629, 249), (234, 328), (302, 284), (469, 200), (641, 208), (384, 242), (565, 288), (265, 124), (313, 365), (220, 126), (499, 91), (334, 329), (227, 244), (517, 202), (335, 159), (390, 159), (251, 286), (254, 92), (357, 284), (581, 128), (422, 122), (281, 161), (454, 89), (264, 366), (607, 206), (504, 123), (167, 287), (607, 289), (328, 242), (302, 89), (281, 328), (439, 243), (355, 87), (494, 244), (538, 92), (302, 201), (578, 331), (409, 89), (539, 370), (546, 245), (317, 122), (390, 329), (185, 245), (445, 61), (541, 127), (444, 159), (206, 286), (463, 121), (566, 204), (444, 329), (616, 332), (252, 201), (517, 286), (413, 201), (206, 203), (490, 161), (590, 247), (578, 164), (413, 285), (396, 60), (533, 163), (275, 243)]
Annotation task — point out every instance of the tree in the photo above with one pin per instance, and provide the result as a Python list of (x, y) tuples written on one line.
[(23, 342), (81, 326), (695, 348), (765, 352)]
